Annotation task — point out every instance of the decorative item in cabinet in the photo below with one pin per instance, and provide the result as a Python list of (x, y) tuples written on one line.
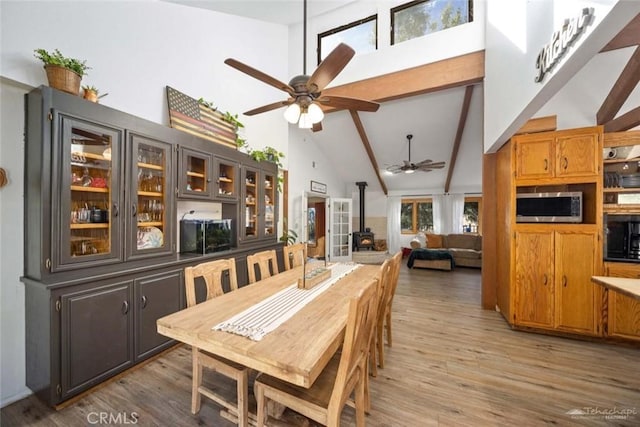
[(226, 172), (269, 205), (88, 194), (194, 180), (151, 207), (250, 203)]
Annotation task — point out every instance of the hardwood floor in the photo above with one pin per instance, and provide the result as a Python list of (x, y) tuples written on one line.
[(451, 364)]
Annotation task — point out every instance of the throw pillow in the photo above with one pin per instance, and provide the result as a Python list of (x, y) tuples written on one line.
[(434, 241)]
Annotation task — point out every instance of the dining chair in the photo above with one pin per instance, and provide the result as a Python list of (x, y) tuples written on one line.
[(397, 261), (344, 374), (294, 255), (212, 272), (267, 264), (384, 288)]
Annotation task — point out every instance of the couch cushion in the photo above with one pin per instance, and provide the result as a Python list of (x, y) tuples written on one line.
[(465, 253), (463, 241), (434, 241)]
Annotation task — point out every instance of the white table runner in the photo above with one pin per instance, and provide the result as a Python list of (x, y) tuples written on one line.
[(265, 316)]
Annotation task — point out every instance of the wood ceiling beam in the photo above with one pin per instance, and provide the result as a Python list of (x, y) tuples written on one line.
[(621, 90), (367, 146), (626, 121), (456, 143), (628, 36), (454, 72)]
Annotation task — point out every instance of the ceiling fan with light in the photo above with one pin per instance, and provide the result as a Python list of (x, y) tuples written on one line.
[(408, 167), (305, 101)]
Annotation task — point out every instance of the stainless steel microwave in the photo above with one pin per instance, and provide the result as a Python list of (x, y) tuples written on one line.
[(549, 207)]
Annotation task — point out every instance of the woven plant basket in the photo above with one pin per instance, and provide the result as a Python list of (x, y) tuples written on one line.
[(63, 79)]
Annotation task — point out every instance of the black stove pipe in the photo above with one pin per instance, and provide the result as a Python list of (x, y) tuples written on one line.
[(361, 185)]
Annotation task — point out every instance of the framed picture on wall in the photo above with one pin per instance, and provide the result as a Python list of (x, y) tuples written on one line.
[(318, 187)]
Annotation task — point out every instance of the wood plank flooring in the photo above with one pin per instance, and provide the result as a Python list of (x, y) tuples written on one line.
[(451, 364)]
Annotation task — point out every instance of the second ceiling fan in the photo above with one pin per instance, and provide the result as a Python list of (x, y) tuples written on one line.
[(408, 167), (305, 92)]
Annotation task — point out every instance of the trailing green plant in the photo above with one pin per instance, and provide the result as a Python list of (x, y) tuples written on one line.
[(233, 119), (268, 154), (207, 104), (56, 58)]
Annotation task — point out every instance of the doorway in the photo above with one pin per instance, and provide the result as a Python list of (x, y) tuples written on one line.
[(316, 222)]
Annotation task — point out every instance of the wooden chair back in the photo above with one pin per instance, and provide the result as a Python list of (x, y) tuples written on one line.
[(352, 370), (212, 273), (294, 255), (267, 263), (396, 261)]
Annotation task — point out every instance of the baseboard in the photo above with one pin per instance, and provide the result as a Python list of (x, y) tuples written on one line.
[(13, 399)]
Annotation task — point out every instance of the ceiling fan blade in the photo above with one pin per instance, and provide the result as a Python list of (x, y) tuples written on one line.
[(349, 103), (438, 165), (424, 162), (330, 67), (317, 127), (269, 107), (257, 74)]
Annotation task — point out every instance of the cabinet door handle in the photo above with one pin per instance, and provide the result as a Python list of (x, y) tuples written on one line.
[(564, 281), (544, 279), (115, 210), (144, 301), (125, 307), (566, 163), (134, 209), (546, 164)]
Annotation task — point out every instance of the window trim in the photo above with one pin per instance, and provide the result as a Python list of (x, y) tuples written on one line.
[(414, 214), (332, 31), (401, 7)]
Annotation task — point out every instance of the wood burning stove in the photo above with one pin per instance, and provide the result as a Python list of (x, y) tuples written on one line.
[(362, 239)]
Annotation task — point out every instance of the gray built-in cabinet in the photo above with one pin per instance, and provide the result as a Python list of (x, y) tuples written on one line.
[(101, 257)]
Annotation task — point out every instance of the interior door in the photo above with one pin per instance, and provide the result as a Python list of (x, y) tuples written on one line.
[(339, 237)]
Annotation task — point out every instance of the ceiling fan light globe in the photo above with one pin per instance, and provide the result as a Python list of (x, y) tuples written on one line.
[(292, 113), (315, 113), (409, 171), (305, 121)]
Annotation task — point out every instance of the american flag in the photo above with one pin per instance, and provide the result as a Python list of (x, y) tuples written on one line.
[(188, 115)]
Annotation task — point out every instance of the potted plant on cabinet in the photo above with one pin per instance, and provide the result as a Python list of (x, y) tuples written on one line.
[(90, 93), (63, 73)]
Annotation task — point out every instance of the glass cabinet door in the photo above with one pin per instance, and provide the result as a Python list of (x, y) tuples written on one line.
[(226, 178), (269, 225), (194, 174), (89, 227), (151, 209), (250, 194)]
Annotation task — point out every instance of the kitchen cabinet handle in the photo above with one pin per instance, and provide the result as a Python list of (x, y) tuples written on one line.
[(115, 210), (134, 209), (564, 281), (546, 164), (544, 279), (144, 301), (125, 307), (566, 163)]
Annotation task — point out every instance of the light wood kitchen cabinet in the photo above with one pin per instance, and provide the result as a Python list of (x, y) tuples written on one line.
[(622, 312), (563, 154), (534, 278), (553, 280)]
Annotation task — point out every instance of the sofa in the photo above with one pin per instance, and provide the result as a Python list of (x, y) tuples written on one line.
[(465, 249)]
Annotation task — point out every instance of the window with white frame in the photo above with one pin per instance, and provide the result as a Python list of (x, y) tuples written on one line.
[(422, 17), (361, 36)]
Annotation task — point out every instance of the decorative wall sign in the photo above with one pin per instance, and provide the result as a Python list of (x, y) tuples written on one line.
[(318, 187), (560, 42), (188, 115)]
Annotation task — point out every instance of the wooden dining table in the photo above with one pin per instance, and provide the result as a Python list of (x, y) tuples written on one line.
[(296, 351)]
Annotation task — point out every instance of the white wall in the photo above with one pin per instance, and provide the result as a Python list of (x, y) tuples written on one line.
[(516, 30), (308, 163), (135, 49)]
